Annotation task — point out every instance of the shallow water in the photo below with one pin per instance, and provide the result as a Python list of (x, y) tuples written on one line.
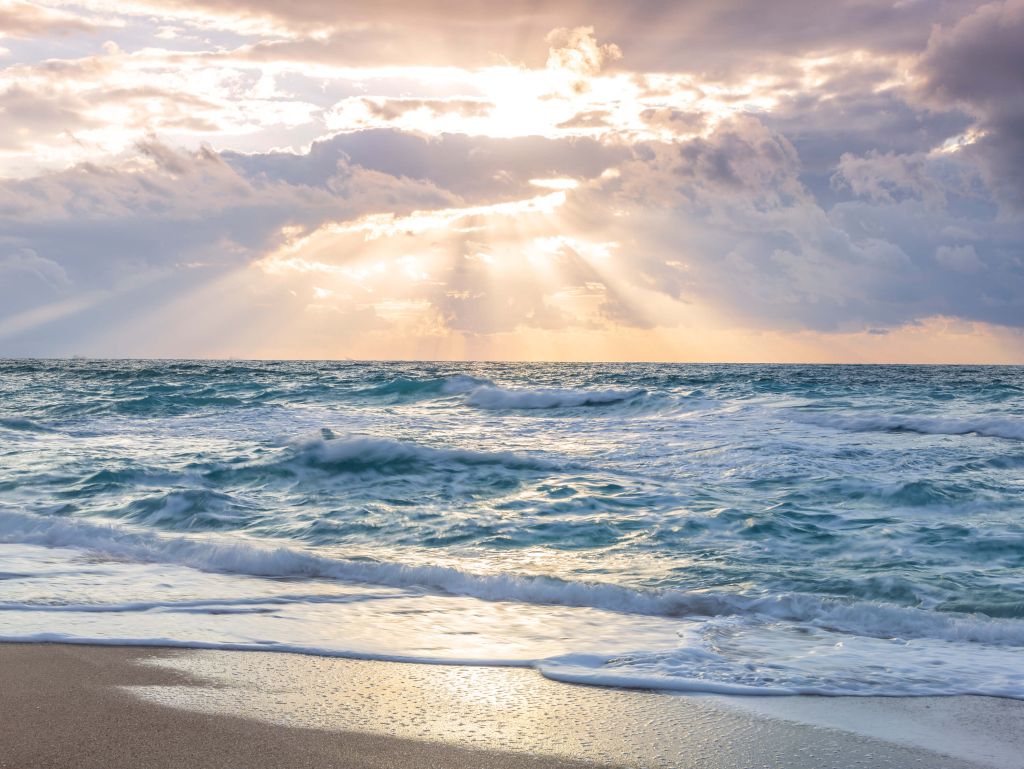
[(829, 529)]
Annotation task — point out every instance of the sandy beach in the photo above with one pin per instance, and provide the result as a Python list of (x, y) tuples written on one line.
[(66, 706), (92, 706)]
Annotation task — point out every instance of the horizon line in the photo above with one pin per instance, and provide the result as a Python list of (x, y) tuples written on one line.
[(90, 358)]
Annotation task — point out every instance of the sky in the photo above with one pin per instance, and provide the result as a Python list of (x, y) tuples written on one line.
[(670, 180)]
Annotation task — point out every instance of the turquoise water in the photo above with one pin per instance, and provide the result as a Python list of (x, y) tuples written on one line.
[(832, 529)]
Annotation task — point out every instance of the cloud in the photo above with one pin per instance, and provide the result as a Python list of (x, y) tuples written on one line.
[(652, 34), (389, 109), (961, 258), (853, 107), (31, 116), (96, 238), (675, 120), (59, 112), (888, 177), (724, 220), (441, 170), (169, 215), (976, 64), (476, 168), (589, 119), (577, 51), (741, 160), (26, 19)]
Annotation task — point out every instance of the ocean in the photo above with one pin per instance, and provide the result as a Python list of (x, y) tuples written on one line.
[(751, 529)]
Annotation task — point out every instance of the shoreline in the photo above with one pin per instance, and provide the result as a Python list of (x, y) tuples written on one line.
[(82, 706)]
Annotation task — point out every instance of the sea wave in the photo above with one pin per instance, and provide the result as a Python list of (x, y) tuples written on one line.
[(23, 424), (499, 398), (211, 554), (200, 509), (1010, 429), (409, 387), (486, 394), (385, 455)]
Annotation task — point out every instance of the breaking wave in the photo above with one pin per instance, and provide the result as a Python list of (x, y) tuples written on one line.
[(861, 618), (485, 394), (387, 456)]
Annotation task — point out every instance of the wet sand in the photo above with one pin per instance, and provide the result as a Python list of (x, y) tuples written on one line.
[(110, 707)]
